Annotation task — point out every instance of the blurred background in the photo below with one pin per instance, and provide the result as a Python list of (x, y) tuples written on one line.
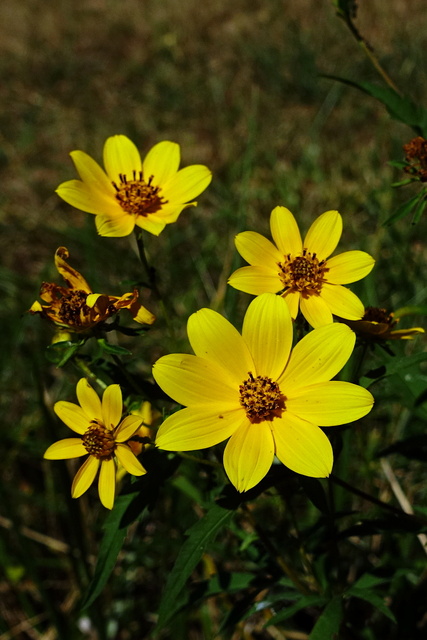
[(240, 87)]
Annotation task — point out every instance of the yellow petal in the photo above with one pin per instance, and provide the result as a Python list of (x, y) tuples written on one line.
[(330, 403), (267, 330), (85, 198), (213, 337), (302, 446), (112, 406), (187, 184), (285, 232), (73, 416), (318, 357), (256, 280), (161, 162), (92, 175), (73, 278), (349, 266), (324, 234), (192, 380), (315, 310), (107, 483), (127, 428), (129, 461), (170, 213), (84, 477), (292, 299), (116, 227), (404, 334), (141, 315), (121, 157), (257, 250), (65, 449), (89, 400), (249, 455), (150, 224), (342, 302), (198, 428)]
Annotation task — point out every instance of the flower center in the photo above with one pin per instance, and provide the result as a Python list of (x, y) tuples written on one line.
[(137, 196), (375, 314), (304, 273), (261, 398), (73, 306), (99, 441)]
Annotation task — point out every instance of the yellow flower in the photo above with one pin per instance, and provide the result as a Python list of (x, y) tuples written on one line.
[(148, 194), (301, 271), (102, 435), (252, 389), (141, 439), (76, 308), (378, 325)]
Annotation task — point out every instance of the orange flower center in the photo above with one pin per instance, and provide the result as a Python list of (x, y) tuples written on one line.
[(99, 441), (138, 197), (261, 398), (304, 273)]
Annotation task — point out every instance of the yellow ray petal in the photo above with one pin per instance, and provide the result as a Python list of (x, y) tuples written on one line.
[(84, 477), (198, 428), (302, 446), (129, 461), (121, 157), (315, 310), (249, 455), (89, 400), (65, 449), (267, 330), (73, 278), (116, 227), (112, 406), (213, 337), (256, 280), (257, 250), (285, 232), (187, 184), (170, 212), (318, 357), (92, 175), (324, 234), (73, 416), (127, 428), (107, 483), (193, 380), (161, 162), (342, 302), (292, 299), (330, 403), (81, 196), (150, 224), (349, 266), (141, 315)]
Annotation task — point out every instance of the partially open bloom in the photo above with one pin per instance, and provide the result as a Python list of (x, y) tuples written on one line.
[(378, 325), (102, 435), (76, 308), (302, 271), (252, 389), (149, 194)]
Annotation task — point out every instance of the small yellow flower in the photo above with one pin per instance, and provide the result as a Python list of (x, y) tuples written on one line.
[(141, 439), (148, 194), (103, 435), (76, 308), (253, 389), (378, 325), (301, 271)]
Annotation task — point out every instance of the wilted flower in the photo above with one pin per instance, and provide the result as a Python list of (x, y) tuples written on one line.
[(416, 157), (378, 325)]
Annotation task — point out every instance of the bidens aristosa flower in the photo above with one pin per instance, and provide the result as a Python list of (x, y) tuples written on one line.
[(302, 271), (102, 435), (149, 194), (253, 389)]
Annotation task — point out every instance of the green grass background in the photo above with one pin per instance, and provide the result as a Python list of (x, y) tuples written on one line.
[(239, 86)]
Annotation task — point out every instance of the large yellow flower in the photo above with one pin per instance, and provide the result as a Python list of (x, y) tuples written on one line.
[(252, 389), (301, 271), (103, 435), (148, 194), (76, 308)]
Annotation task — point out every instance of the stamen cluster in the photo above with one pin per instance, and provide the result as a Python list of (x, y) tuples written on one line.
[(99, 441), (303, 273), (261, 398), (73, 307), (137, 196)]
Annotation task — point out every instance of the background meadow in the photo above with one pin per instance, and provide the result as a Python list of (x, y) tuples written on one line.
[(241, 87)]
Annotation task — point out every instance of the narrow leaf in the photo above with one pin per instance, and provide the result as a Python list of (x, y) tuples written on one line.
[(328, 624), (288, 612), (372, 598)]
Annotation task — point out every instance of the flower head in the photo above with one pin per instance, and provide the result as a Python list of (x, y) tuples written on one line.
[(302, 271), (76, 308), (378, 325), (253, 389), (149, 194), (103, 435), (416, 158)]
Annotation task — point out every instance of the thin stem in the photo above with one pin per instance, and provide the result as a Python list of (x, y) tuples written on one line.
[(83, 366)]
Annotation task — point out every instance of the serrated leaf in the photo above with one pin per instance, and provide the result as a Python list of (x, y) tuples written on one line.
[(199, 536), (373, 598), (302, 603), (328, 625)]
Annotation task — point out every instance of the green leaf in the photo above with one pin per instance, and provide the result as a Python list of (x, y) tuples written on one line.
[(288, 612), (199, 536), (420, 209), (373, 598), (328, 625), (113, 348), (393, 365), (60, 352), (403, 210), (368, 580)]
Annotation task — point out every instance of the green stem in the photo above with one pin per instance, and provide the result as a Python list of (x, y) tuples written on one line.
[(84, 367)]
